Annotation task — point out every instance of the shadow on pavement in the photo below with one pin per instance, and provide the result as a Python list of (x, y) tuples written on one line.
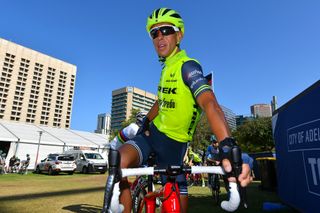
[(83, 208), (49, 194)]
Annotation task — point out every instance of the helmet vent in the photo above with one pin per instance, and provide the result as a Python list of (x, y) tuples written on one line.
[(165, 11), (157, 13), (176, 15)]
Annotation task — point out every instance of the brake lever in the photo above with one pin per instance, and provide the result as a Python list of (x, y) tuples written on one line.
[(113, 177), (237, 169)]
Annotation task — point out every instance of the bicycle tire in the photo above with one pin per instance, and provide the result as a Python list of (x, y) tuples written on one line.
[(217, 196), (215, 188), (138, 195)]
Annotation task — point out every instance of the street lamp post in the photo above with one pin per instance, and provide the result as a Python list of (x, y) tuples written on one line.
[(40, 134)]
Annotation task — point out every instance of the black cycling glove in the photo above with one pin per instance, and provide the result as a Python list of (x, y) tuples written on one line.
[(144, 126), (229, 149)]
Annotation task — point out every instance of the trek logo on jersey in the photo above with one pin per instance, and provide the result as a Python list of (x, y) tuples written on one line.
[(167, 90), (163, 103), (194, 73)]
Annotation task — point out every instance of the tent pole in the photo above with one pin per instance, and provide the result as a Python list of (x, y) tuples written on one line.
[(36, 162)]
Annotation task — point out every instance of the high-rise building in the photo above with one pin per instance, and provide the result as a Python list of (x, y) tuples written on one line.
[(103, 124), (261, 110), (230, 117), (34, 87), (128, 98)]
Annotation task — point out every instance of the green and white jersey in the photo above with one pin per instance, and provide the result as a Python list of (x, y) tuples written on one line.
[(178, 111)]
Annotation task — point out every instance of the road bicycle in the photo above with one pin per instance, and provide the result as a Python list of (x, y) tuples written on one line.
[(170, 191), (214, 183)]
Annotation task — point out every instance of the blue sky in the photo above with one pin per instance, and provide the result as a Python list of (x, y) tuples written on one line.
[(255, 48)]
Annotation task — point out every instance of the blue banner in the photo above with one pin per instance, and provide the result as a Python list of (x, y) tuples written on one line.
[(296, 130)]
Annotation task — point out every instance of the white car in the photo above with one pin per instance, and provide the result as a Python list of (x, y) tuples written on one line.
[(88, 161), (55, 163)]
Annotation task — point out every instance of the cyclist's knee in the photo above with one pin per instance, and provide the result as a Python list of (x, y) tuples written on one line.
[(129, 156)]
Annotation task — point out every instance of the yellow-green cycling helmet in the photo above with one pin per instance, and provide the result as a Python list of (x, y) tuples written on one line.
[(165, 15)]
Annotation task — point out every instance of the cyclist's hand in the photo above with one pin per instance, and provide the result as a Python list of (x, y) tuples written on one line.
[(244, 178), (235, 162), (230, 154), (144, 128)]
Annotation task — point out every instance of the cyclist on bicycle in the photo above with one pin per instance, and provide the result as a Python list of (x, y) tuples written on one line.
[(183, 93)]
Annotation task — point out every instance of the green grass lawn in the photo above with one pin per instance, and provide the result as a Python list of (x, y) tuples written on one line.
[(84, 193)]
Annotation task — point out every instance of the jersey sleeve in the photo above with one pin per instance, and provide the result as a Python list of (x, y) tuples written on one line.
[(131, 130), (128, 132), (193, 77)]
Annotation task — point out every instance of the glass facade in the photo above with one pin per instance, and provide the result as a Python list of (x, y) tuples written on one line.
[(230, 117)]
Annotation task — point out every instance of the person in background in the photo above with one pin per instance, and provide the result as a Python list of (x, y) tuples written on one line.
[(195, 160), (3, 163), (12, 161), (24, 165), (212, 153)]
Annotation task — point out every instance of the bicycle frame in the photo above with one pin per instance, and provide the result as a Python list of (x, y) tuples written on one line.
[(169, 195), (170, 189), (171, 198)]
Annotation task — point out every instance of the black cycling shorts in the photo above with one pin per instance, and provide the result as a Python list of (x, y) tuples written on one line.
[(167, 150)]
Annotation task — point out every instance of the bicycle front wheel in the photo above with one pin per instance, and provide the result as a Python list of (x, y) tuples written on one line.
[(138, 198)]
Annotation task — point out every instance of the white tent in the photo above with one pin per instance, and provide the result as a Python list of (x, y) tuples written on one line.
[(23, 138)]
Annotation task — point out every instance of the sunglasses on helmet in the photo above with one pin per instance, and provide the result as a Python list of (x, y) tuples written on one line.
[(164, 29)]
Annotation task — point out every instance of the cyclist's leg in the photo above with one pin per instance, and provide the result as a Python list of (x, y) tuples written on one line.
[(133, 153), (183, 186), (129, 159)]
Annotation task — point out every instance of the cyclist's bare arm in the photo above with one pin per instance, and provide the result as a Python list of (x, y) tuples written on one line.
[(214, 113), (153, 112), (219, 127)]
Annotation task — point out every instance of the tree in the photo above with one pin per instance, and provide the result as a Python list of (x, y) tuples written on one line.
[(255, 135), (131, 119), (201, 138)]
